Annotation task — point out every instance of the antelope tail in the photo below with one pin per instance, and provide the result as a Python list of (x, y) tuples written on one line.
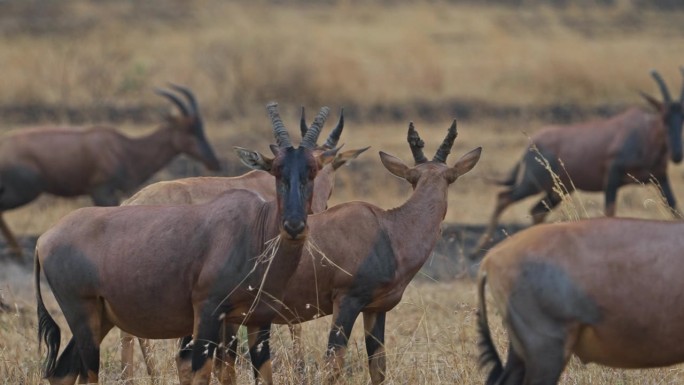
[(488, 354), (510, 180), (48, 330), (512, 176)]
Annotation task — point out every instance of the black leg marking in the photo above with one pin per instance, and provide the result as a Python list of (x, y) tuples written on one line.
[(376, 338), (69, 362), (260, 352), (185, 348)]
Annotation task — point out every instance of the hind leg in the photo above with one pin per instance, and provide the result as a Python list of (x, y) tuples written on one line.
[(542, 346), (82, 355), (514, 371), (544, 206), (503, 200)]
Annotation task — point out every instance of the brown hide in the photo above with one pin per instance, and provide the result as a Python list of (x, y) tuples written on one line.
[(99, 161), (203, 189), (588, 149), (620, 304), (333, 265), (79, 160), (185, 248)]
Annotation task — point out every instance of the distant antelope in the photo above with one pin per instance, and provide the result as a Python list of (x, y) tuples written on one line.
[(608, 290), (368, 271), (203, 189), (98, 162), (170, 271), (601, 155)]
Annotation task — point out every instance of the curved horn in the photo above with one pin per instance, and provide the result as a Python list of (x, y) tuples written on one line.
[(681, 97), (279, 130), (311, 137), (302, 124), (416, 145), (445, 148), (334, 136), (188, 95), (174, 99), (663, 88)]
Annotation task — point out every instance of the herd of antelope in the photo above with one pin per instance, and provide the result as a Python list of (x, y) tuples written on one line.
[(196, 258)]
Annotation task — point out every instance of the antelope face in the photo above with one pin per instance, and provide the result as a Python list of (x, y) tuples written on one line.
[(189, 139), (434, 172), (294, 170), (188, 128)]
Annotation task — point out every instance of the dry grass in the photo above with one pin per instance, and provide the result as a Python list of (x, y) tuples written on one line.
[(238, 55), (430, 339)]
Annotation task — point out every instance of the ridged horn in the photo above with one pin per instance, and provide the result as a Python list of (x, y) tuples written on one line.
[(279, 130), (667, 99), (302, 124), (416, 145), (334, 136), (174, 99), (445, 148), (314, 131), (188, 95)]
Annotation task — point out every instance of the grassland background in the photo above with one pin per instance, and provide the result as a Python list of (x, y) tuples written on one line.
[(504, 69)]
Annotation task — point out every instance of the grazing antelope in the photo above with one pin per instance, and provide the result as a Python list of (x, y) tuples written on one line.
[(198, 190), (99, 162), (602, 155), (170, 271), (381, 252), (608, 290)]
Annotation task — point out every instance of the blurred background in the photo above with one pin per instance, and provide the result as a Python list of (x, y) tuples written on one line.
[(502, 68)]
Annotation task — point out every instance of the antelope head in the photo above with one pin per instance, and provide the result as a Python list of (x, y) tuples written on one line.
[(327, 154), (672, 113), (293, 168), (188, 129), (436, 172)]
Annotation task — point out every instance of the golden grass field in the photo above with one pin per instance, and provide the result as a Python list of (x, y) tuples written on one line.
[(382, 61)]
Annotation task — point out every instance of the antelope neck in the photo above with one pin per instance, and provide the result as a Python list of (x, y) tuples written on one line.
[(149, 154)]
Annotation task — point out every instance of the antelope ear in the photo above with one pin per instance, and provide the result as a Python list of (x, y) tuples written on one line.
[(652, 101), (253, 159), (274, 149), (394, 165), (346, 156), (463, 165), (327, 156)]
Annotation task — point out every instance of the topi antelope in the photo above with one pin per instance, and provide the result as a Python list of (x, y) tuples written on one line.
[(199, 190), (171, 271), (602, 155), (607, 290), (99, 162), (369, 271)]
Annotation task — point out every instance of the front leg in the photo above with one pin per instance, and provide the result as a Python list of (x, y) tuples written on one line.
[(345, 312), (374, 325), (260, 353), (104, 196), (204, 344), (664, 183), (613, 182)]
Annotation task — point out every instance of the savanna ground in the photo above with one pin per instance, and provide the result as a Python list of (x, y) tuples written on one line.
[(502, 70)]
